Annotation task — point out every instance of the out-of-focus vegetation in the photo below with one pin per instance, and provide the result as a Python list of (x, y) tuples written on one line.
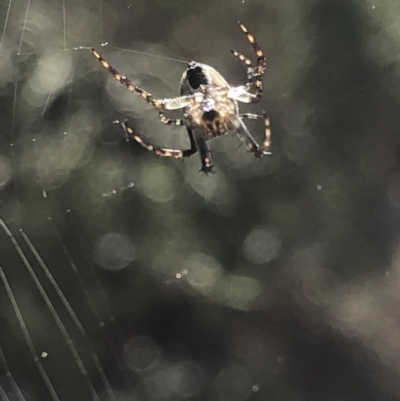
[(273, 279)]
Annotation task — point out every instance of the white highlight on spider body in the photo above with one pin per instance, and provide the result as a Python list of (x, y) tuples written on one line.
[(241, 94), (208, 104)]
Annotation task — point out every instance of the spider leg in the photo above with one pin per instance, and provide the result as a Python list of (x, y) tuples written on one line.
[(248, 139), (267, 124), (250, 116), (204, 151), (248, 63), (168, 104), (257, 74), (164, 119), (158, 150)]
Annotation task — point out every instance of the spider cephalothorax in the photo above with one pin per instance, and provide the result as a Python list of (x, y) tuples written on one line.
[(209, 104)]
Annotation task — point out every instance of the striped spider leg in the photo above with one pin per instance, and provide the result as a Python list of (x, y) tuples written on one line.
[(175, 103), (156, 149), (167, 104), (254, 74), (254, 77), (263, 150)]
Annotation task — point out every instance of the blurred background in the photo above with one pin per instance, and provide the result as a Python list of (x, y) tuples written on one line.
[(125, 276)]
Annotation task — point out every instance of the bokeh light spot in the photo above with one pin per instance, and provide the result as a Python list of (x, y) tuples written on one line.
[(261, 246), (203, 271), (114, 251), (5, 171), (141, 353), (234, 383)]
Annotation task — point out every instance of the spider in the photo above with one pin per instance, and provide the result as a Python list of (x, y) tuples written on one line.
[(210, 106)]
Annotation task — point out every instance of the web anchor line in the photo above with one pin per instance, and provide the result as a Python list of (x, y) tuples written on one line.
[(56, 317)]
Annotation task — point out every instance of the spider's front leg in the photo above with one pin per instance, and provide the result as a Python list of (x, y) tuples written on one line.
[(248, 63), (158, 150), (254, 74), (167, 104)]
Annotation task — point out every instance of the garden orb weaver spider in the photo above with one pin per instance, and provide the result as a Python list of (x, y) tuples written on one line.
[(210, 106)]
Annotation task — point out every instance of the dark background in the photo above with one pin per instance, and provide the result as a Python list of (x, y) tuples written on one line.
[(275, 279)]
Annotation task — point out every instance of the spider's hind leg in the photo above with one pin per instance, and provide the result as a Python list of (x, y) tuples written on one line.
[(267, 131), (248, 139), (204, 151), (159, 150)]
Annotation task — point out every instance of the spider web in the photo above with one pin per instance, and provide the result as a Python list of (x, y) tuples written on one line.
[(126, 276)]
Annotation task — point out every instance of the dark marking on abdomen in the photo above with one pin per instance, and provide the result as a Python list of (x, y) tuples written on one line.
[(210, 115)]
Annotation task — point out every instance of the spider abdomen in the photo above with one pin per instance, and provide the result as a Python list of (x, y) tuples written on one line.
[(210, 115), (211, 110), (216, 127)]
